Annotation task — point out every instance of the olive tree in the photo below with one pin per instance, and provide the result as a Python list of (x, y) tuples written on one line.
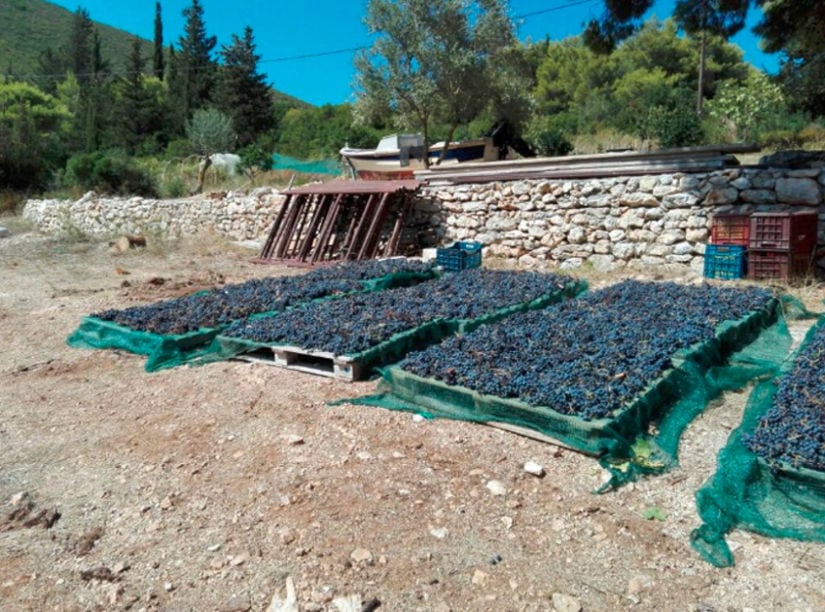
[(209, 131), (432, 59)]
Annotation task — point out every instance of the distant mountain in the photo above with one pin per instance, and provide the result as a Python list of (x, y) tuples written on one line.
[(28, 27)]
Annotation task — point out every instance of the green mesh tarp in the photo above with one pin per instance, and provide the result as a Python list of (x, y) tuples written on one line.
[(329, 167), (747, 493), (172, 350), (394, 348), (622, 442), (162, 351)]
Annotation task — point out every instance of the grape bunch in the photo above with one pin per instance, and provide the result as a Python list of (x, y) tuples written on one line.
[(590, 356), (792, 431), (362, 321), (219, 307)]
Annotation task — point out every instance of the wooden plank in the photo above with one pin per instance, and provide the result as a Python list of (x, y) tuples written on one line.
[(319, 363)]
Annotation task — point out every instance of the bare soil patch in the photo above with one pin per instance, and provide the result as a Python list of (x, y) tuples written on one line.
[(206, 488)]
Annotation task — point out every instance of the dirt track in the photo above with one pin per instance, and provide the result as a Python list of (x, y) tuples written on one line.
[(206, 488)]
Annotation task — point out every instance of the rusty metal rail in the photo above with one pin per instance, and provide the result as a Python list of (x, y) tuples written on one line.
[(340, 220)]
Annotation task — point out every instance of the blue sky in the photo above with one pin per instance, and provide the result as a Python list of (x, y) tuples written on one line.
[(284, 31)]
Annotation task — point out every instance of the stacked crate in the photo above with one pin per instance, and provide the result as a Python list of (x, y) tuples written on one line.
[(781, 244), (726, 255)]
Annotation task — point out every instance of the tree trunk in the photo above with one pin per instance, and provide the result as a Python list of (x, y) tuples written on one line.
[(702, 60), (202, 168), (447, 142)]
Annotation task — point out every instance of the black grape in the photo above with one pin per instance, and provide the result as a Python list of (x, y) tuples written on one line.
[(589, 356), (792, 431), (219, 307)]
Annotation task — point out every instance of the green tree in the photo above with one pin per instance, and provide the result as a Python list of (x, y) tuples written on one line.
[(320, 132), (86, 63), (194, 66), (209, 131), (750, 107), (796, 29), (432, 59), (242, 92), (698, 18), (51, 68), (31, 125), (139, 112), (157, 58)]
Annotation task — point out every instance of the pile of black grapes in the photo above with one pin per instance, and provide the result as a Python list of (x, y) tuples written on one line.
[(219, 307), (590, 356), (792, 431), (359, 322)]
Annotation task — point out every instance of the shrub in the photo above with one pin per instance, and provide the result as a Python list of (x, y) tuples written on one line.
[(254, 156), (109, 173), (677, 127), (547, 135)]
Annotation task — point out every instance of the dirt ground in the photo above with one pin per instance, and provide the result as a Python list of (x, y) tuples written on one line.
[(211, 488)]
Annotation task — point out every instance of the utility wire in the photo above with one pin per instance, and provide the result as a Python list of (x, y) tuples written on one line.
[(289, 58)]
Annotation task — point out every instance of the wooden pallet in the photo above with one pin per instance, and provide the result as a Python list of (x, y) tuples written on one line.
[(321, 363)]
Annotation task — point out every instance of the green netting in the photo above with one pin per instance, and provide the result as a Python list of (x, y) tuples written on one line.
[(624, 443), (328, 167), (394, 348), (163, 351), (172, 350), (745, 492)]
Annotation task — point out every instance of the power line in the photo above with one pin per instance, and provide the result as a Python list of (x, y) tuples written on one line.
[(289, 58), (552, 9)]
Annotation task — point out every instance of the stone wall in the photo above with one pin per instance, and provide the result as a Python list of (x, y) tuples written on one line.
[(236, 215), (606, 223), (610, 223)]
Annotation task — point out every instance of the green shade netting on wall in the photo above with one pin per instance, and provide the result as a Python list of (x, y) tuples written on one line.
[(329, 167), (396, 347), (740, 351), (172, 350), (746, 492)]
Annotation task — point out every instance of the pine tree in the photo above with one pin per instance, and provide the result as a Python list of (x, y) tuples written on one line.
[(195, 65), (80, 47), (242, 92), (135, 105), (84, 60), (157, 62), (51, 69)]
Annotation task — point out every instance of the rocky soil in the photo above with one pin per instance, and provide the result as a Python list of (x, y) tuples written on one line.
[(218, 487)]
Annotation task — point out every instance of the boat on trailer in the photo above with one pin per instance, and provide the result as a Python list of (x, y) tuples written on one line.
[(398, 156)]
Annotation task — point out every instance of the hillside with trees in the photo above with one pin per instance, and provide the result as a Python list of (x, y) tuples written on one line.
[(88, 114)]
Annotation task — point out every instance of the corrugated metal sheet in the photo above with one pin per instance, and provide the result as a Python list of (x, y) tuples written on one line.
[(686, 159), (355, 187)]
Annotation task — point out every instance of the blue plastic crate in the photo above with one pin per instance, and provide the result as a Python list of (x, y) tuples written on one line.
[(725, 261), (459, 256)]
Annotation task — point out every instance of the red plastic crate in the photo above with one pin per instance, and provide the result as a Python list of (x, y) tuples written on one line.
[(777, 265), (794, 231), (730, 228)]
